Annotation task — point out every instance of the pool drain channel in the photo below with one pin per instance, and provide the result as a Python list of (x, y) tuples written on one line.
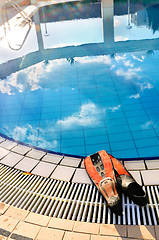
[(74, 201)]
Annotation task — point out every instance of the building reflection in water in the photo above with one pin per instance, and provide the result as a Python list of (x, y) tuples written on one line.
[(106, 31)]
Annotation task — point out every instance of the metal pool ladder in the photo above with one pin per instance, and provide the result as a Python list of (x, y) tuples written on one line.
[(4, 14)]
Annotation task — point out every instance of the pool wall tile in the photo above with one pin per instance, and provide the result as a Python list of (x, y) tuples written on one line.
[(125, 153), (116, 146), (149, 142), (137, 119), (103, 139), (144, 134), (75, 150), (69, 143), (90, 149), (149, 151), (120, 137)]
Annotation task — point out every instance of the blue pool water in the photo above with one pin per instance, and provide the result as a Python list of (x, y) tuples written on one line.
[(85, 79)]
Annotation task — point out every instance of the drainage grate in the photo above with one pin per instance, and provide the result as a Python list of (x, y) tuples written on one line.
[(75, 201)]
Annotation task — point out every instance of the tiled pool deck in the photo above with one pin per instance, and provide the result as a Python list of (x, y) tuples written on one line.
[(19, 224), (23, 225), (45, 164)]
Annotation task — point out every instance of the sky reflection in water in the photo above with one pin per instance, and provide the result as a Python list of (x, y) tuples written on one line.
[(79, 105)]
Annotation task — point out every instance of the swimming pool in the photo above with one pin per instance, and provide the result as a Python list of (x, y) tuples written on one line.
[(83, 77)]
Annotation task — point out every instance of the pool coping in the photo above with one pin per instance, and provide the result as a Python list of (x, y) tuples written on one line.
[(70, 155), (50, 164), (37, 5)]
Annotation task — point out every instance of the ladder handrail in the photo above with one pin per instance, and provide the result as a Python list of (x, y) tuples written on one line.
[(23, 14), (20, 10)]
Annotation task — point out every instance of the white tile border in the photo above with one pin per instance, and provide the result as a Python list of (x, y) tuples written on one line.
[(21, 149), (37, 154), (63, 173), (77, 172), (27, 164), (152, 164), (135, 165), (43, 169), (150, 177)]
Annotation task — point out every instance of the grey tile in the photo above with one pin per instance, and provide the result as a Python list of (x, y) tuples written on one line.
[(52, 158), (150, 177), (72, 162), (27, 164), (21, 149), (63, 173), (152, 164), (137, 176), (81, 176), (37, 154), (157, 231), (8, 144), (11, 159), (3, 152), (3, 233), (135, 165), (44, 169), (19, 237)]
